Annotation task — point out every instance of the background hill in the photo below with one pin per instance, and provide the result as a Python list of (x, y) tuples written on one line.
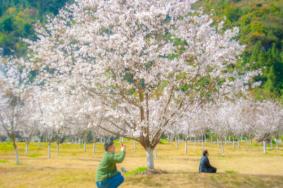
[(261, 30), (16, 19)]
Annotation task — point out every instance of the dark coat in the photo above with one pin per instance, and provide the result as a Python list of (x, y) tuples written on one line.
[(205, 166)]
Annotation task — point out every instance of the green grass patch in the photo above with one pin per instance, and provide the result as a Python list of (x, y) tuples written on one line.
[(137, 171), (6, 147), (163, 141), (34, 155), (231, 172), (3, 161)]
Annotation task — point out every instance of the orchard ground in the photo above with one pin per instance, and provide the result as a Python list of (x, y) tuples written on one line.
[(246, 166)]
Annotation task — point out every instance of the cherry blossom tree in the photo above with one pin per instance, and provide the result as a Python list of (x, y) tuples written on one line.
[(194, 124), (57, 114), (258, 119), (86, 119), (145, 61), (31, 118), (14, 95), (222, 118), (187, 127), (268, 116), (238, 126), (47, 116), (175, 131)]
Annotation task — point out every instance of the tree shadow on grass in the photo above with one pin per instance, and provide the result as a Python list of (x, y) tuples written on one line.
[(229, 179)]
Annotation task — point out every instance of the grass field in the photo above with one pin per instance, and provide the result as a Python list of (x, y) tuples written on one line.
[(243, 167)]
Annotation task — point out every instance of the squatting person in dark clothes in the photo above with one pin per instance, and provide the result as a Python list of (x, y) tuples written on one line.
[(205, 165)]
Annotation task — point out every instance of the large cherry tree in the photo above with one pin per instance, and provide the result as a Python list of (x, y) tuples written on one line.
[(147, 62)]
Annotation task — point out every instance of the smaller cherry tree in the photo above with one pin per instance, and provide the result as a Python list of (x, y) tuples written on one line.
[(221, 118), (31, 121), (14, 98), (55, 115), (268, 121)]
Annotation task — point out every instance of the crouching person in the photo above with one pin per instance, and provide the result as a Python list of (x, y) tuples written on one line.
[(107, 175), (205, 165)]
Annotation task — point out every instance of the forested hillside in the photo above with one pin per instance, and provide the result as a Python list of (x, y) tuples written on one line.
[(261, 30), (17, 18)]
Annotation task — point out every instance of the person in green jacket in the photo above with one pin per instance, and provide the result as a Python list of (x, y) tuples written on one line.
[(107, 175)]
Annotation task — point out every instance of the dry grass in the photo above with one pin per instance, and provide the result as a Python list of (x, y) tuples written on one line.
[(244, 167)]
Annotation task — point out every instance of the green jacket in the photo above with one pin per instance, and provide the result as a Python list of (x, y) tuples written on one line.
[(107, 167)]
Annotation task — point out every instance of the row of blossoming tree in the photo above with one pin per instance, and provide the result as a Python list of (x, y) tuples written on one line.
[(259, 120), (133, 69)]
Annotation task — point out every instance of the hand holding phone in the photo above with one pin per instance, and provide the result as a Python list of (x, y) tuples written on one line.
[(123, 147)]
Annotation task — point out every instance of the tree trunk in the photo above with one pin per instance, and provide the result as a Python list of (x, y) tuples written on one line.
[(134, 146), (222, 147), (80, 142), (84, 146), (58, 148), (155, 153), (177, 142), (94, 147), (16, 150), (239, 144), (264, 147), (202, 142), (234, 146), (276, 141), (251, 142), (149, 158), (27, 147), (49, 150), (271, 144), (186, 146)]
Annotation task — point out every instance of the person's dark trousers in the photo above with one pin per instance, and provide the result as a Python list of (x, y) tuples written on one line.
[(212, 170), (209, 170), (112, 182)]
